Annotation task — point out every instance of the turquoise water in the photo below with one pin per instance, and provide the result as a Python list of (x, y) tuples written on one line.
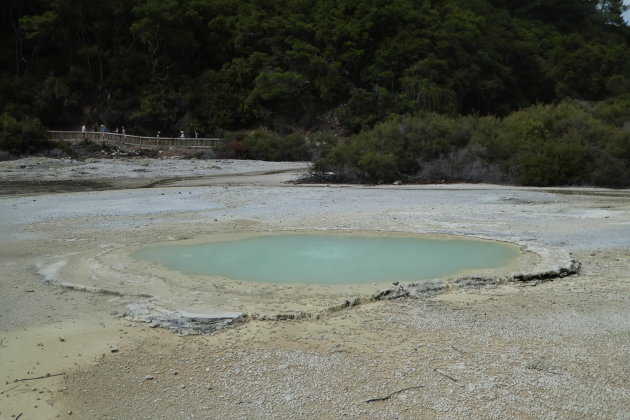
[(331, 259)]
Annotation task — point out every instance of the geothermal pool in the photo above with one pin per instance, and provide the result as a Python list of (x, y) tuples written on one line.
[(332, 259)]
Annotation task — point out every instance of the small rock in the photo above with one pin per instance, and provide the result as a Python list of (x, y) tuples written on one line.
[(148, 378)]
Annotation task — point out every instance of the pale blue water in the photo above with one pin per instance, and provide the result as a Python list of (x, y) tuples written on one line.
[(331, 259)]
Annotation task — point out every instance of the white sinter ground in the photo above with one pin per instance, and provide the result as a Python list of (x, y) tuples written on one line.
[(558, 349)]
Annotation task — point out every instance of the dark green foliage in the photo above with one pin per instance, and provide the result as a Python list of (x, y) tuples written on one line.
[(396, 148), (266, 145), (224, 64), (564, 144), (20, 136), (559, 145), (463, 165), (615, 111)]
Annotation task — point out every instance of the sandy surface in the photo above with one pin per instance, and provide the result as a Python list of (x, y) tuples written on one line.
[(79, 317)]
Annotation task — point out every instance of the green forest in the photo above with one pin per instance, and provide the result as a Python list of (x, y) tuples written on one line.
[(526, 92)]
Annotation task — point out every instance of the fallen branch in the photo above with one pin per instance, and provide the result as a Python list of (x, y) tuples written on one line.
[(394, 393), (48, 375), (10, 389), (441, 372), (25, 390)]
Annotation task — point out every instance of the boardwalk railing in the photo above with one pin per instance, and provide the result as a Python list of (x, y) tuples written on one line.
[(195, 143)]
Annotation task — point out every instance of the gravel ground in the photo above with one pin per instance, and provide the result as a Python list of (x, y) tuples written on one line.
[(558, 349)]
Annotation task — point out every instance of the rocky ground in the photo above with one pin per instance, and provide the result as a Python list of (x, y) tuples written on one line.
[(555, 349)]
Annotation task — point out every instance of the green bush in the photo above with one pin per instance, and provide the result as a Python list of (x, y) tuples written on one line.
[(571, 143), (396, 148), (554, 163), (19, 136), (267, 145), (557, 145), (235, 149), (614, 111), (376, 167), (463, 165), (365, 108)]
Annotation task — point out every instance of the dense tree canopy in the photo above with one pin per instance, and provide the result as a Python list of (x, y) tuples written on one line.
[(222, 64), (303, 65)]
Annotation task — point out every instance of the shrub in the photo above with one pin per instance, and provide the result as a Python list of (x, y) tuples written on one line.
[(364, 108), (267, 145), (235, 149), (395, 148), (21, 136), (610, 171), (463, 165), (376, 167), (614, 111), (556, 144), (569, 143)]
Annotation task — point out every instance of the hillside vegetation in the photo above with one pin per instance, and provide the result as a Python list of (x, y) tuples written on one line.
[(531, 92)]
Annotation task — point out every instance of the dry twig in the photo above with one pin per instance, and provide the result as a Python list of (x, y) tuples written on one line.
[(48, 375), (441, 372), (542, 369), (10, 389), (394, 393)]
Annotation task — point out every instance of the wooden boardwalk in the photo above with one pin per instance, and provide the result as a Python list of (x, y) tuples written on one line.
[(126, 139)]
